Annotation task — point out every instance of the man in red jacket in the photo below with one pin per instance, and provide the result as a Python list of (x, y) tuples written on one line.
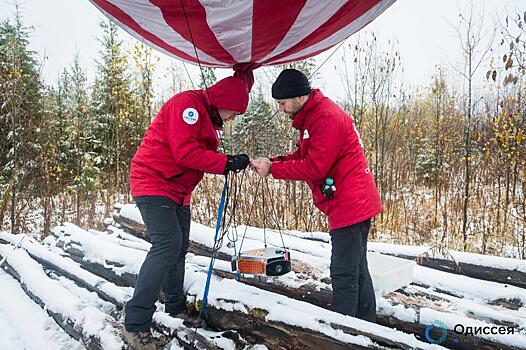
[(330, 158), (178, 148)]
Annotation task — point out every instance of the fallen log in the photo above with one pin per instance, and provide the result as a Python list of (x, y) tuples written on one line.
[(200, 271), (321, 297), (138, 230), (76, 318), (60, 266), (65, 267)]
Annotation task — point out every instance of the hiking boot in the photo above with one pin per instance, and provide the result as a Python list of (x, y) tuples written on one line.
[(189, 320), (140, 340)]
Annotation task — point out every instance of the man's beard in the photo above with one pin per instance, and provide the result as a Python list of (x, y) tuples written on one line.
[(296, 108)]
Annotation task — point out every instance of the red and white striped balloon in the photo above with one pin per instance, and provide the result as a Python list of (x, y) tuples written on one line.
[(242, 34)]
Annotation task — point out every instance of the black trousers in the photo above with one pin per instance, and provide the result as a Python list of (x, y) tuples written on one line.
[(352, 287), (168, 226)]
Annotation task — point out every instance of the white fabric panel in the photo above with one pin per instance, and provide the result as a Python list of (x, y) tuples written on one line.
[(342, 34), (231, 22), (310, 18), (150, 18)]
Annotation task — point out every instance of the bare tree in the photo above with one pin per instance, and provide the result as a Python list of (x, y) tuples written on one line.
[(475, 50)]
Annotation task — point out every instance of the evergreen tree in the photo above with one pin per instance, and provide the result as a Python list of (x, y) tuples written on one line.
[(81, 142), (207, 78), (255, 133), (145, 65), (430, 162), (112, 107), (20, 116)]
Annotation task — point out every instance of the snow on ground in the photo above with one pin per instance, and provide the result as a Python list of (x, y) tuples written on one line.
[(24, 325), (296, 239), (223, 292)]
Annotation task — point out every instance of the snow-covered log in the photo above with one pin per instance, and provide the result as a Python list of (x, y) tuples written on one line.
[(63, 266), (503, 270), (228, 307), (478, 312), (66, 267), (490, 268), (85, 323)]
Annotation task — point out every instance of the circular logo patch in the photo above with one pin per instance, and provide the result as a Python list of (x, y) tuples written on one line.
[(190, 116), (442, 334)]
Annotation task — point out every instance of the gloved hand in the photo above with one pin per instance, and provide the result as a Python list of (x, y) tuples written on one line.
[(236, 163)]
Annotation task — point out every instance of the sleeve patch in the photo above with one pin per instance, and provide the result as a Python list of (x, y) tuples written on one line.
[(190, 116)]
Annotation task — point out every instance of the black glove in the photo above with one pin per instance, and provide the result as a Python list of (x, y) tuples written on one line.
[(236, 163)]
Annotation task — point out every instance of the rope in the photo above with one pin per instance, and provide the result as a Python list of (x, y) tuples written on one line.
[(274, 114), (193, 44), (274, 211), (189, 77)]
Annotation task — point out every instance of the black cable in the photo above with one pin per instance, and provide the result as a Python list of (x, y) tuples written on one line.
[(321, 65), (189, 77), (273, 115), (198, 62), (193, 44), (276, 219), (250, 213)]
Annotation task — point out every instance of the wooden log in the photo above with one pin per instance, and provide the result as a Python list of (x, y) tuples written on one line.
[(321, 297), (69, 323), (486, 273), (138, 230), (64, 267), (505, 276), (276, 328), (75, 252)]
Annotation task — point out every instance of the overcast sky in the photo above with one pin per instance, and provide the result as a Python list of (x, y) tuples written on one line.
[(424, 29)]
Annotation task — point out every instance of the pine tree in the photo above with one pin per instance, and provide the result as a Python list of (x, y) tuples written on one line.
[(254, 133), (207, 78), (85, 172), (112, 106), (20, 116)]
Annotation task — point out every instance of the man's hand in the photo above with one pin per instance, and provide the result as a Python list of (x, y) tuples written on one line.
[(236, 163), (262, 166)]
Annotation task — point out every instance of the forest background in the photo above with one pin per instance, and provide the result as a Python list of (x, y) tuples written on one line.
[(449, 160)]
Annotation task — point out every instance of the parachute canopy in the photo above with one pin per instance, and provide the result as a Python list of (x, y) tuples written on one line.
[(242, 34)]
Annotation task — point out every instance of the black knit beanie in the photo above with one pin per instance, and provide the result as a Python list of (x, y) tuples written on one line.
[(290, 83)]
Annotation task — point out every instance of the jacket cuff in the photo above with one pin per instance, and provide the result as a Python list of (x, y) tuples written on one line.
[(277, 159)]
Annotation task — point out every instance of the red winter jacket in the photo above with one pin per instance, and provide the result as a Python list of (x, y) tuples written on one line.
[(181, 143), (329, 146)]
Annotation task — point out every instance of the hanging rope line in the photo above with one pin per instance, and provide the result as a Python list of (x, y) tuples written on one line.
[(250, 139), (222, 225), (189, 77)]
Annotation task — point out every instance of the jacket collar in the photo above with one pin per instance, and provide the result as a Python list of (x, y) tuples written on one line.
[(212, 112), (314, 98)]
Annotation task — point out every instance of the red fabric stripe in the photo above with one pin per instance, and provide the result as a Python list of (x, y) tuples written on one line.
[(345, 15), (266, 35), (203, 37), (129, 22), (315, 53)]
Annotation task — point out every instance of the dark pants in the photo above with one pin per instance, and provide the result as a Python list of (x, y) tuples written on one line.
[(168, 226), (352, 287)]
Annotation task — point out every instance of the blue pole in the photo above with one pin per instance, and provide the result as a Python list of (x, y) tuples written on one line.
[(204, 311)]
